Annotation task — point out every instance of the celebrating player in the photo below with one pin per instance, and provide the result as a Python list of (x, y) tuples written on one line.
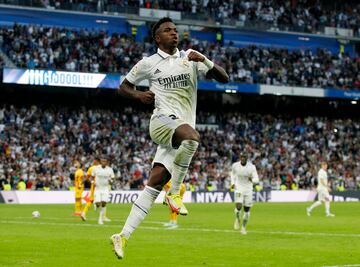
[(243, 177), (79, 187), (90, 200), (323, 192), (172, 75), (103, 176)]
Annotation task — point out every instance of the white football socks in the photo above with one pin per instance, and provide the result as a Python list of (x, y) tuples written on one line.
[(139, 210), (101, 215), (181, 164), (237, 214), (314, 205), (103, 210), (246, 218), (327, 207)]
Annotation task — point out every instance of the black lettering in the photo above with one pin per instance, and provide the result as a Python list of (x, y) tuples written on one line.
[(134, 197), (126, 198)]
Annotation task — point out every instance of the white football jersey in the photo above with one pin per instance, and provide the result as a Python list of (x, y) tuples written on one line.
[(322, 175), (173, 80), (243, 177), (102, 177)]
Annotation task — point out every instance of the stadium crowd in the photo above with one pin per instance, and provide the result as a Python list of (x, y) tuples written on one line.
[(89, 51), (38, 146), (304, 15)]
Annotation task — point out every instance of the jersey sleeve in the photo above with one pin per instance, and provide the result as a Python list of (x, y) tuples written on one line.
[(112, 175), (140, 72), (254, 175)]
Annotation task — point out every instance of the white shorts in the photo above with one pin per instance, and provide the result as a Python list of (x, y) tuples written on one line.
[(165, 156), (244, 198), (162, 128), (101, 196), (323, 194)]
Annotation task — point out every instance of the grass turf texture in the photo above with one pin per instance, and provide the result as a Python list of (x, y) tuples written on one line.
[(278, 235)]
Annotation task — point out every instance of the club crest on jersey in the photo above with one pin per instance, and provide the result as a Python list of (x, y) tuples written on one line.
[(135, 70), (185, 62)]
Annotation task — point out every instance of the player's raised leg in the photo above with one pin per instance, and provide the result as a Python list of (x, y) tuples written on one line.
[(313, 206), (187, 139), (141, 207)]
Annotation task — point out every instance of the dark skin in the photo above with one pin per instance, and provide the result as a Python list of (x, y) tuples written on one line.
[(167, 39)]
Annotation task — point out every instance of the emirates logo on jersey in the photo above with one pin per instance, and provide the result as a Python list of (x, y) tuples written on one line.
[(175, 81)]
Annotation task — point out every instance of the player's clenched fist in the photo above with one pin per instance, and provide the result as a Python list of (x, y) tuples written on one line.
[(146, 97), (198, 57), (194, 55)]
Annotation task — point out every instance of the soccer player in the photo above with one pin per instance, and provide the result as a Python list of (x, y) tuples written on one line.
[(79, 187), (172, 224), (90, 200), (103, 176), (172, 75), (323, 191), (243, 178)]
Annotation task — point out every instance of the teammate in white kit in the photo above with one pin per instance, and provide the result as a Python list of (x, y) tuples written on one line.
[(103, 175), (323, 192), (243, 177), (172, 75)]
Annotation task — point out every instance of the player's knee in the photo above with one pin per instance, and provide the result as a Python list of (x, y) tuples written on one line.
[(247, 209), (238, 206), (185, 132), (190, 145)]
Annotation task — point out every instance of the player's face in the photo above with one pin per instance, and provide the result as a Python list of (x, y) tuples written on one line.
[(103, 163), (243, 160), (167, 35), (325, 166)]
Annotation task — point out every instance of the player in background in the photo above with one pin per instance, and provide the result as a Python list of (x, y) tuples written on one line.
[(243, 177), (90, 200), (172, 75), (103, 176), (79, 187), (172, 224), (323, 191)]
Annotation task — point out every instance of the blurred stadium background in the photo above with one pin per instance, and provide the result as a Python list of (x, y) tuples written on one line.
[(293, 102)]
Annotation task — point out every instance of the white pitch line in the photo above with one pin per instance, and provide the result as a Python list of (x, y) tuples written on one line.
[(91, 219), (348, 265), (180, 229)]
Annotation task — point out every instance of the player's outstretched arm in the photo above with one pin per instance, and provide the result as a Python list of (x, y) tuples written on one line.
[(218, 73), (127, 89)]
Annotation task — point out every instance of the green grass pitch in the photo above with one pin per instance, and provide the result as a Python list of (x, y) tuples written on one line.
[(279, 234)]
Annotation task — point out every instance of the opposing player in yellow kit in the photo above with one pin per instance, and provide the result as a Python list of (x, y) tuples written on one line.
[(90, 200), (79, 188), (172, 224)]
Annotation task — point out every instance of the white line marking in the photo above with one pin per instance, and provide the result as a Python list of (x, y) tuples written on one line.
[(38, 222), (88, 219), (348, 265)]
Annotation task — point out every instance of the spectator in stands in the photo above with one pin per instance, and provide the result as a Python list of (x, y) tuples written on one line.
[(39, 47), (38, 145)]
